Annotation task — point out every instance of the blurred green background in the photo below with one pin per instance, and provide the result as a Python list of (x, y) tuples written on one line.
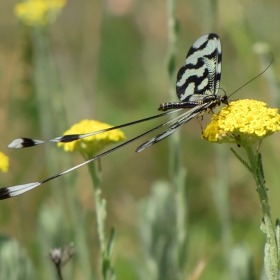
[(110, 65)]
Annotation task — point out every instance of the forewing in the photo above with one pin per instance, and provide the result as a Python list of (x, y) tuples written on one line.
[(202, 72)]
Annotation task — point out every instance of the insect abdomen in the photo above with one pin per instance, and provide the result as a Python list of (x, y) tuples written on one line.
[(177, 105)]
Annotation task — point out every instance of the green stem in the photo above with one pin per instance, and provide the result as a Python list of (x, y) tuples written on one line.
[(174, 140), (100, 208), (270, 257), (177, 173)]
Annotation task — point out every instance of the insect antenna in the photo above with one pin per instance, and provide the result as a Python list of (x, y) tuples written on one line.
[(254, 77)]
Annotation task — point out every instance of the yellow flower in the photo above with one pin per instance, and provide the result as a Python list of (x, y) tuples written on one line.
[(38, 12), (92, 144), (4, 162), (244, 122)]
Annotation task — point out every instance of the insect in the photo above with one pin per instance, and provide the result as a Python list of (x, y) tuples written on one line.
[(197, 88)]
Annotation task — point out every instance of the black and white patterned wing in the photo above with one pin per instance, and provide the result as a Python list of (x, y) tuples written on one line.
[(201, 74)]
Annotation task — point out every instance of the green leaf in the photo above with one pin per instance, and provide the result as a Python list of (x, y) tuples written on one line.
[(245, 163), (111, 241)]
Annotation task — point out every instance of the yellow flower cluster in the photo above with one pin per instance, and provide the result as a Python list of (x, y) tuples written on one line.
[(92, 144), (4, 162), (244, 122), (39, 12)]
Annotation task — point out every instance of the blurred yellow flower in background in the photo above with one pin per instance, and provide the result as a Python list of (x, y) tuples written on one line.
[(4, 162), (38, 12), (244, 122), (92, 144)]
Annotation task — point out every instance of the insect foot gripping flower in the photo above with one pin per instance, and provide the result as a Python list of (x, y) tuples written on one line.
[(4, 162), (38, 12), (91, 145), (244, 122)]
